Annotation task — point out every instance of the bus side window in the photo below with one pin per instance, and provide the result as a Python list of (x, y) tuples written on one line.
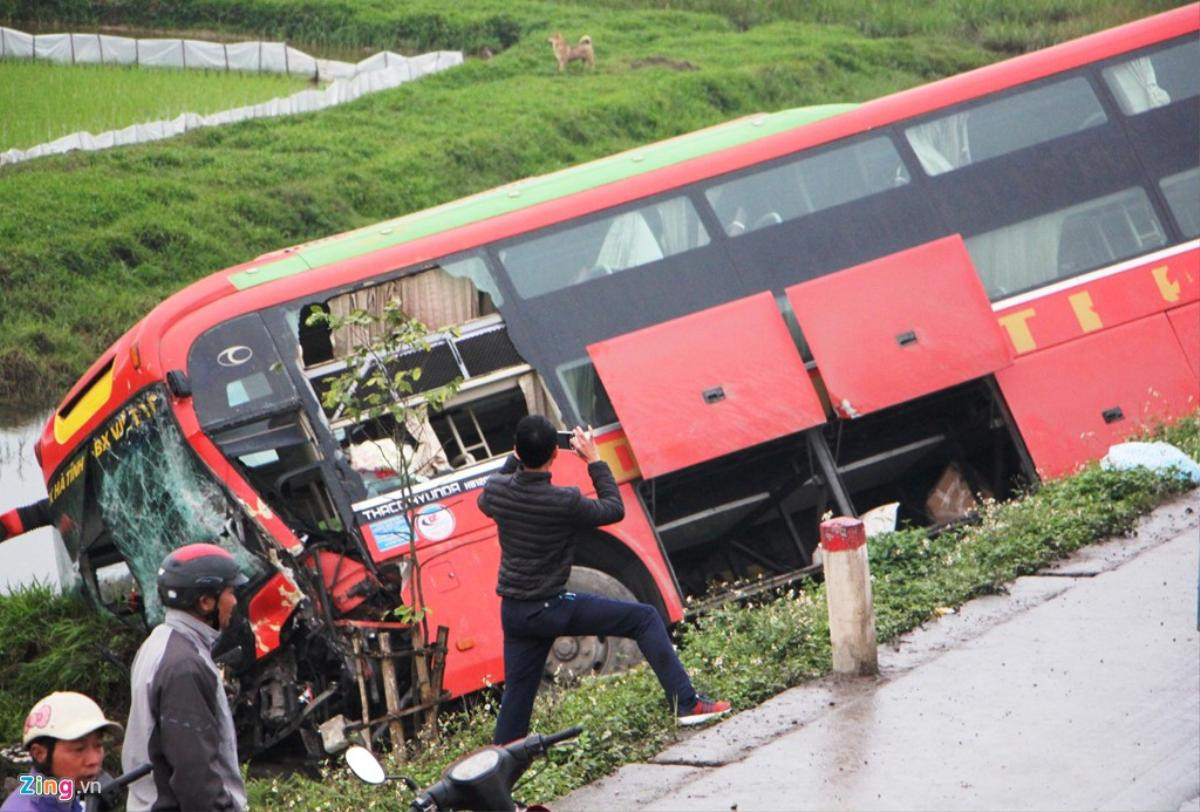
[(628, 243), (806, 185), (1182, 191), (602, 247), (1066, 242), (993, 128), (1155, 79)]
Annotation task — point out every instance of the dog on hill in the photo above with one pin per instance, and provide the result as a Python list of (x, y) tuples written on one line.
[(566, 54)]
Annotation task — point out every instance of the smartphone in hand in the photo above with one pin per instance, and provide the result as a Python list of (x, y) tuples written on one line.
[(564, 439)]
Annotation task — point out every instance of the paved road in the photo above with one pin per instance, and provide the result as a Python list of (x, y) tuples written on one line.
[(1080, 689)]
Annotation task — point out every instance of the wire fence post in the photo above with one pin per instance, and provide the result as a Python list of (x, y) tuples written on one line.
[(183, 54), (100, 47), (286, 68), (71, 39)]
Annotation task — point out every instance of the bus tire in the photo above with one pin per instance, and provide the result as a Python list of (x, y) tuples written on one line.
[(574, 657)]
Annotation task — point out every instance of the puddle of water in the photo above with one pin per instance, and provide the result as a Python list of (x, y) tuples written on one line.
[(39, 555)]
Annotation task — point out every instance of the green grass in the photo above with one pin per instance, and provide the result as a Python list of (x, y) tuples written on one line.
[(1001, 25), (50, 101), (90, 242), (50, 642)]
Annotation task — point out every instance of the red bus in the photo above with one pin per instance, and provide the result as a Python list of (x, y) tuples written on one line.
[(937, 295)]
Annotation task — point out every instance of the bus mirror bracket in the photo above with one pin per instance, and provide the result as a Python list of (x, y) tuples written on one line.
[(179, 383)]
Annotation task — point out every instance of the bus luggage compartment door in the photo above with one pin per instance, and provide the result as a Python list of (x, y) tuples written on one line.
[(899, 327), (707, 384), (1073, 400)]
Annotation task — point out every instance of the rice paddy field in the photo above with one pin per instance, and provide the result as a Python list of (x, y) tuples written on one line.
[(43, 101)]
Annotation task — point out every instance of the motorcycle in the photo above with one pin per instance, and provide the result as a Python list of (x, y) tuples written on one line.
[(480, 780)]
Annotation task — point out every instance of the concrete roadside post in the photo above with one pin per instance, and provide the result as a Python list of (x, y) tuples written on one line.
[(848, 591)]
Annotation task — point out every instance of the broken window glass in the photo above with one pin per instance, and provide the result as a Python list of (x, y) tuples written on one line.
[(154, 495)]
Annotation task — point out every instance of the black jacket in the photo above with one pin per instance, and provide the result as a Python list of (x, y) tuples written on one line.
[(538, 522)]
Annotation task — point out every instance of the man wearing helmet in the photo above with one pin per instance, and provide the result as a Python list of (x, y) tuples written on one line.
[(64, 734), (179, 718)]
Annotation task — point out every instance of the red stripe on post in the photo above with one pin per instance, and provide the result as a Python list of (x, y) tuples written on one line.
[(842, 533)]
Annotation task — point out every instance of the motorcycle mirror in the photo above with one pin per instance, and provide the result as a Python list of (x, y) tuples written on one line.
[(363, 764)]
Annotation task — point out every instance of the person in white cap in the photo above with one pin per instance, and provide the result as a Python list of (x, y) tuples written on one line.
[(64, 734)]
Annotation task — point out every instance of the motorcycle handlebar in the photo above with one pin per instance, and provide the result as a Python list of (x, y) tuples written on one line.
[(133, 775), (496, 791), (562, 735)]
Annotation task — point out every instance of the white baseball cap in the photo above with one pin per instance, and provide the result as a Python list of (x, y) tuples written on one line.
[(66, 715)]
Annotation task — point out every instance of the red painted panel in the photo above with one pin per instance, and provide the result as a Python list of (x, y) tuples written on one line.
[(740, 352), (899, 327), (459, 586), (1059, 396), (1126, 292), (1186, 323)]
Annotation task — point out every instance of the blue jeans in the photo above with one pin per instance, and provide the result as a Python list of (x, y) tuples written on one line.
[(531, 626)]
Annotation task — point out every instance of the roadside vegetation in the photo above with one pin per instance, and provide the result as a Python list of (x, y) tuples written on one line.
[(49, 101), (747, 652), (51, 642), (90, 242)]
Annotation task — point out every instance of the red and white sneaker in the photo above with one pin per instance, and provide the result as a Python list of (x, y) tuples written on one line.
[(703, 710)]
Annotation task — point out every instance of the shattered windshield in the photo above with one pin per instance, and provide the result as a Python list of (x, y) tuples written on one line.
[(149, 494)]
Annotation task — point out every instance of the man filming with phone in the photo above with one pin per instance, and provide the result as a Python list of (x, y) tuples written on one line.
[(538, 522)]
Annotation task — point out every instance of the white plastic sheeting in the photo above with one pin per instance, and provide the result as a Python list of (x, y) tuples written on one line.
[(379, 72), (254, 57), (1160, 457)]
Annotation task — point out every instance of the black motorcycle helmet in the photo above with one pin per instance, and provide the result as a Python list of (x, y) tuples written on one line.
[(196, 570)]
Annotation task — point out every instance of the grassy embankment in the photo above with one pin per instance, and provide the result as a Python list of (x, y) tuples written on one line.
[(90, 242), (747, 653), (49, 101)]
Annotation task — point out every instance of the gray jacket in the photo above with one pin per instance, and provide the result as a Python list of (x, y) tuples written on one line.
[(179, 720)]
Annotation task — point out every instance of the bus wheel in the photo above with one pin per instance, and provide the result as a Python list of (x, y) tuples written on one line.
[(574, 657)]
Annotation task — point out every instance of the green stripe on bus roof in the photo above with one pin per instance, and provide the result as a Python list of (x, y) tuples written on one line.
[(532, 191)]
